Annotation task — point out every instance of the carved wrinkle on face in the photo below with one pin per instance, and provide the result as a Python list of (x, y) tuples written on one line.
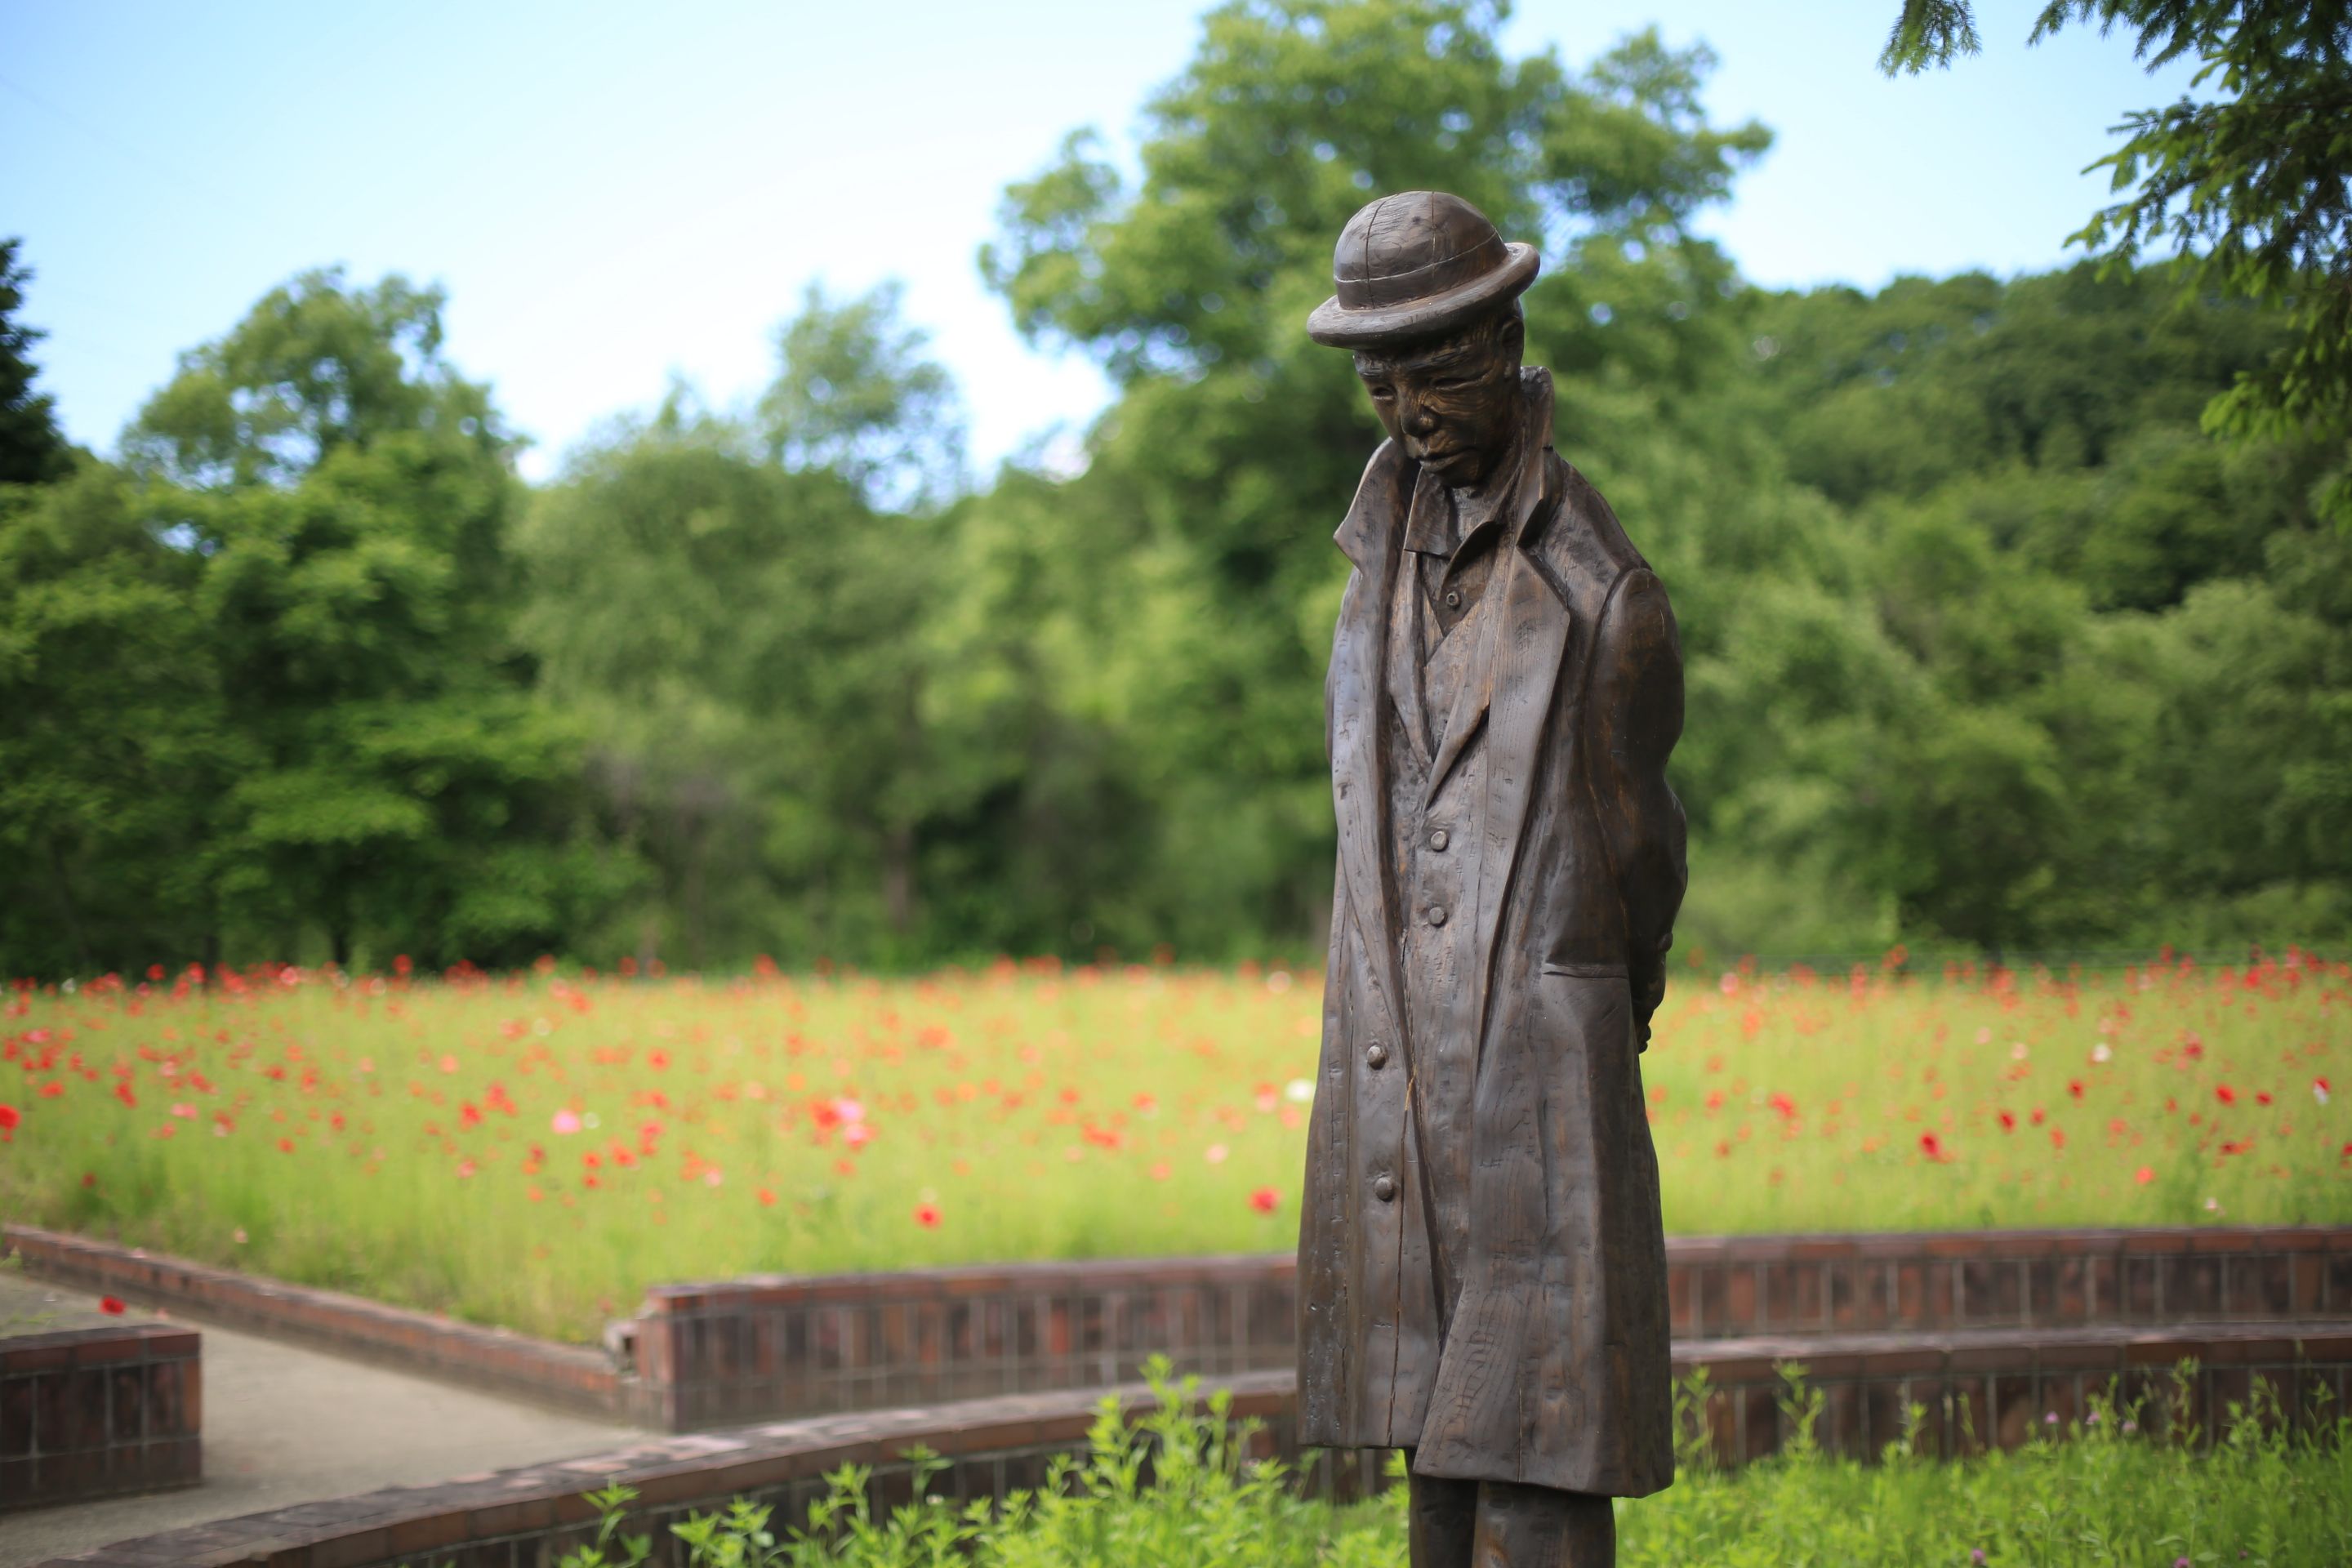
[(1450, 404)]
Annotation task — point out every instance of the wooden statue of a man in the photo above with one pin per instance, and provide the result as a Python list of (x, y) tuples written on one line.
[(1481, 1265)]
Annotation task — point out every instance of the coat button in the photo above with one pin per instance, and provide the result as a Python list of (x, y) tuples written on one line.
[(1437, 914), (1384, 1189), (1377, 1055), (1440, 839), (1452, 601)]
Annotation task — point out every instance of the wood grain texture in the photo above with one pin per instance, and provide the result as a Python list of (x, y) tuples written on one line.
[(1481, 1265)]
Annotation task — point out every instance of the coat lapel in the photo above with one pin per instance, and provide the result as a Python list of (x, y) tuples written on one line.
[(1531, 635), (1368, 536), (1527, 633)]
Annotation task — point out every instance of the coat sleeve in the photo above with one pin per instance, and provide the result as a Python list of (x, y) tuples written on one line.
[(1636, 716)]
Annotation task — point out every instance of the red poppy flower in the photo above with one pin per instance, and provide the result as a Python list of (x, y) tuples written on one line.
[(928, 1216), (2225, 1094), (2143, 1175), (1264, 1200), (110, 1305), (9, 1118), (1932, 1146)]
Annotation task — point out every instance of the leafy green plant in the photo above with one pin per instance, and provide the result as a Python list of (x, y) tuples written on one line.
[(612, 1547), (2127, 1483)]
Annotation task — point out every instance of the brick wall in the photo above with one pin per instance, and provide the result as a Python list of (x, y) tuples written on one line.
[(90, 1412), (2006, 1279), (566, 1378), (772, 1346), (532, 1515), (1980, 1386), (707, 1355), (746, 1349), (1986, 1387)]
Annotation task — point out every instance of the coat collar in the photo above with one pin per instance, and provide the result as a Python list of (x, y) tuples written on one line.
[(1369, 534)]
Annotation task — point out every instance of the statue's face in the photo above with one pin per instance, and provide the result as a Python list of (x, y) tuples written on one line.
[(1452, 404)]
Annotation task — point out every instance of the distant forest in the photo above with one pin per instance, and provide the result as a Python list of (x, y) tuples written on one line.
[(1989, 645)]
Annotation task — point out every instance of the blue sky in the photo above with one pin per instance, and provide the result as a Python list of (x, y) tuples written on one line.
[(615, 194)]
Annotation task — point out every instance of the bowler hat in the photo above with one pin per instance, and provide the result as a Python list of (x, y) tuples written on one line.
[(1411, 265)]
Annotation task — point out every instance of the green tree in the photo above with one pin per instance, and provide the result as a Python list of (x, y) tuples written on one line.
[(2255, 182), (856, 395), (112, 741), (2049, 638), (348, 496), (316, 367), (755, 644), (1202, 620), (32, 451)]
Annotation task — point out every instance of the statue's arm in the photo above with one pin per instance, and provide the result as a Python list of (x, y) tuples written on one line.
[(1636, 716)]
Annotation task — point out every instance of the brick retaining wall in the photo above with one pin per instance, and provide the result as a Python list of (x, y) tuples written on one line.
[(1983, 1387), (567, 1377), (777, 1345), (532, 1515), (743, 1349), (773, 1346), (2006, 1279), (92, 1413), (1979, 1386)]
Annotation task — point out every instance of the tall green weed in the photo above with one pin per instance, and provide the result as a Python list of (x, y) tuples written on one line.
[(1173, 1489)]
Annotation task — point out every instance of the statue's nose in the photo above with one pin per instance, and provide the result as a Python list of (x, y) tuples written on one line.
[(1418, 417)]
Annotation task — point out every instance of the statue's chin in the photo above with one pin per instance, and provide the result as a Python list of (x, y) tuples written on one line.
[(1456, 466)]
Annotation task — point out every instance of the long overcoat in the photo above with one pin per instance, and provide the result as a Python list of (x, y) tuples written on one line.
[(1549, 1366)]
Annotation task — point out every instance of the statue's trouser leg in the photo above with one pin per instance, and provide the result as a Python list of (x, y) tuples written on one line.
[(1499, 1524), (1440, 1522)]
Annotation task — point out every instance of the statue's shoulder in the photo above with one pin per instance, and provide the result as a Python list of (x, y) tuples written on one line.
[(1379, 504), (1582, 543)]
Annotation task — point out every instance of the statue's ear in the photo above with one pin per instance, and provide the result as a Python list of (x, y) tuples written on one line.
[(1514, 338)]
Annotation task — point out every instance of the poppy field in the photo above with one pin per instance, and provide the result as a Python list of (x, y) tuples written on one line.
[(533, 1150)]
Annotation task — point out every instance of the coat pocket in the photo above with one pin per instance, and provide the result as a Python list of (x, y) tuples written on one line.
[(1587, 971)]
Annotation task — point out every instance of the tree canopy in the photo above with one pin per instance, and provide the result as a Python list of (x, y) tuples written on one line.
[(32, 449), (2253, 180), (1991, 644)]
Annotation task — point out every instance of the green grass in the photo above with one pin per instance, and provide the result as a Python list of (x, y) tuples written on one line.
[(2090, 1498), (534, 1151)]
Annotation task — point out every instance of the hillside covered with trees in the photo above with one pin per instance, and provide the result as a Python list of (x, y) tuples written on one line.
[(1991, 645)]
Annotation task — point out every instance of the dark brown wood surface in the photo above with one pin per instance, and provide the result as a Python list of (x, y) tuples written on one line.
[(1482, 1264)]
